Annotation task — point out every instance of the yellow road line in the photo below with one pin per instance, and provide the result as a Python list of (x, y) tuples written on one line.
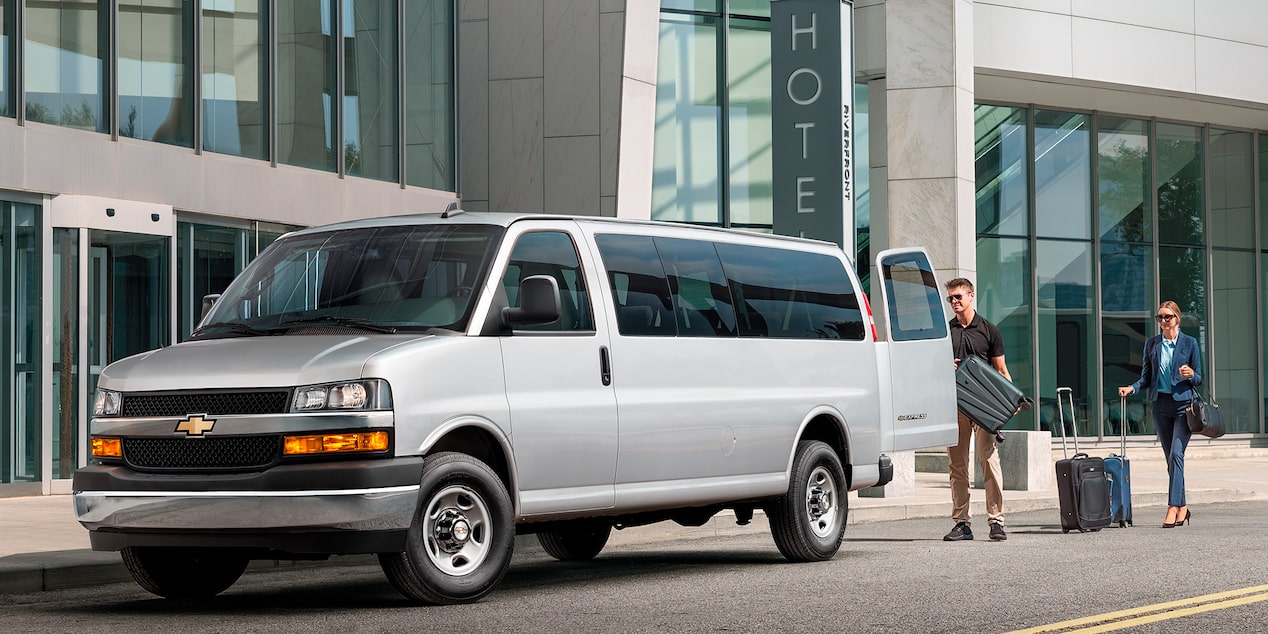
[(1157, 607), (1174, 614)]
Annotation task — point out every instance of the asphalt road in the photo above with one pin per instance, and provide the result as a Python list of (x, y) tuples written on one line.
[(890, 577)]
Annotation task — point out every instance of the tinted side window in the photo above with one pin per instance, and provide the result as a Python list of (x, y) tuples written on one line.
[(551, 253), (915, 300), (791, 294), (702, 301), (639, 287)]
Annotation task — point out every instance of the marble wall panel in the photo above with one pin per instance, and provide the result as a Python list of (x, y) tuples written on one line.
[(926, 216), (1133, 55), (473, 111), (1167, 15), (638, 123), (515, 38), (473, 9), (642, 38), (572, 62), (572, 175), (918, 121), (515, 145), (919, 38), (1028, 41), (1237, 20), (1221, 67), (611, 43)]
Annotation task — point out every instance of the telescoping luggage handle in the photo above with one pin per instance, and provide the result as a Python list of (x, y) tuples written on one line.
[(1122, 423), (1073, 420)]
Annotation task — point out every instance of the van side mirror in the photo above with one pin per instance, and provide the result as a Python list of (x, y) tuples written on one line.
[(539, 303), (208, 302)]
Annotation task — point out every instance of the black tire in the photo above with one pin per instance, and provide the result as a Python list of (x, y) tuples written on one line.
[(459, 545), (184, 573), (579, 541), (808, 522)]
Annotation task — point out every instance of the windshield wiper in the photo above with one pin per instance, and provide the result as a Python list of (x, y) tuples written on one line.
[(355, 322), (235, 326)]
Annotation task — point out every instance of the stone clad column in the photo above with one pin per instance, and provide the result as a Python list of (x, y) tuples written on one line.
[(928, 134)]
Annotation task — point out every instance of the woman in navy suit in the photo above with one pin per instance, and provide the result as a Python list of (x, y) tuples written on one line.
[(1172, 371)]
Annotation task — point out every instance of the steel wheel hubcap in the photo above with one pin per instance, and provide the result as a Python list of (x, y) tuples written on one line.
[(821, 502), (457, 534)]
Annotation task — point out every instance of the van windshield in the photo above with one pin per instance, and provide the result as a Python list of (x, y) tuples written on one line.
[(410, 278)]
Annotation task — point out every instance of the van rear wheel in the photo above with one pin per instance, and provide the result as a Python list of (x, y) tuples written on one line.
[(459, 544), (578, 541), (184, 573), (808, 522)]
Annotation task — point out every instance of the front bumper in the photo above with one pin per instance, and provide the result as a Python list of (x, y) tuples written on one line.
[(358, 506)]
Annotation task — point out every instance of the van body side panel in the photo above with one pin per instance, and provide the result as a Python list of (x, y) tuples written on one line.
[(448, 378), (563, 416)]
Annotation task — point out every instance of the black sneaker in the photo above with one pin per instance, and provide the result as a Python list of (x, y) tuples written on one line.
[(959, 533), (997, 532)]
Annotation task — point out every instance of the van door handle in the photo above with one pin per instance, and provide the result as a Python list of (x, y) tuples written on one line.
[(605, 366)]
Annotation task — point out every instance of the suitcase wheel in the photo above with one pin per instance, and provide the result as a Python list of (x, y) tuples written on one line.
[(1065, 530)]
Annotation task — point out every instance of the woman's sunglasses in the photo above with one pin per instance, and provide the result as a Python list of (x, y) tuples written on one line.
[(1164, 317)]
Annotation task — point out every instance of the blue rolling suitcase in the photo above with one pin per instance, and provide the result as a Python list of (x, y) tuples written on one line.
[(1119, 471)]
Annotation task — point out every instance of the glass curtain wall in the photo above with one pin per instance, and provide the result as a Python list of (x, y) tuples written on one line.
[(712, 154), (20, 343), (371, 109), (208, 257), (1003, 285), (155, 70), (305, 84), (1262, 191), (1124, 222), (64, 59), (429, 85), (235, 77), (1231, 180), (1127, 213)]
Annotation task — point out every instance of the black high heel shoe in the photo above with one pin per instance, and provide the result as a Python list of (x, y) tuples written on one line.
[(1171, 524), (1187, 515)]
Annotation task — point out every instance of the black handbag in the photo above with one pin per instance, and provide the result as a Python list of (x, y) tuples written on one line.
[(1204, 417)]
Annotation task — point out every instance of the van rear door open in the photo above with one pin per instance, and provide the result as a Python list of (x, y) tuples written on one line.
[(918, 350)]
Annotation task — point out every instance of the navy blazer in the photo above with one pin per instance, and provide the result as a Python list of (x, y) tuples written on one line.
[(1186, 353)]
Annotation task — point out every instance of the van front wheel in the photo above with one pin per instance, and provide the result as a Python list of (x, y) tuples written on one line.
[(459, 544), (808, 522)]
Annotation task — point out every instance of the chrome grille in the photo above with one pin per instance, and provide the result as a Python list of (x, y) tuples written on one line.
[(217, 453), (211, 403)]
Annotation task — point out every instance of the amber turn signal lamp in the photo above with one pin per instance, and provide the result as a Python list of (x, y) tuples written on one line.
[(106, 447), (335, 443)]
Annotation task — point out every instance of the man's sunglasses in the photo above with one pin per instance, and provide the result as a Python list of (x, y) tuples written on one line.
[(957, 296)]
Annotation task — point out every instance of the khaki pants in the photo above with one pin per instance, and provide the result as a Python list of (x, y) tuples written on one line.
[(991, 473)]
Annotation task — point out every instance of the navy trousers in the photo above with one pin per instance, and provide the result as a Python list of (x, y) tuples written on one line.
[(1174, 434)]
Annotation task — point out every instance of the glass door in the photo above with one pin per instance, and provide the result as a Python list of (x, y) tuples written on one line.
[(112, 298)]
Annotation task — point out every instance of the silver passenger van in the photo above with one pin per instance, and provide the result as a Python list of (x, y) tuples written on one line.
[(426, 387)]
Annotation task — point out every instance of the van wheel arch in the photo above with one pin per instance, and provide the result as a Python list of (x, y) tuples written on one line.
[(831, 431), (478, 444)]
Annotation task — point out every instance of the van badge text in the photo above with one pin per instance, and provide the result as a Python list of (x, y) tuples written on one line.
[(195, 425), (913, 417)]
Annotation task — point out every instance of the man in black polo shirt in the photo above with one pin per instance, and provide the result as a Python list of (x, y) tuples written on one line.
[(973, 334)]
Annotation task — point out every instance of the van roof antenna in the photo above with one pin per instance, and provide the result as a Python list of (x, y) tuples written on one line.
[(451, 210)]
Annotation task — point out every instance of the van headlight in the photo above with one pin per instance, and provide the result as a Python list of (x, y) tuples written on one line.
[(367, 394), (106, 403)]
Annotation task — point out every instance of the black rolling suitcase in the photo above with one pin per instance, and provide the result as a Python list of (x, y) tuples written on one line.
[(1083, 490)]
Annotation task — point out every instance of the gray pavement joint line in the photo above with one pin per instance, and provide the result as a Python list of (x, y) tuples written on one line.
[(1131, 617)]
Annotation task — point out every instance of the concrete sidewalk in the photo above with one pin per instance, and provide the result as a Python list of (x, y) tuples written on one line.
[(42, 547)]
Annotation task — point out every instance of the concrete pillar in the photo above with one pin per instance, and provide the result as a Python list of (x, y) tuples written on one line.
[(1025, 458), (928, 132)]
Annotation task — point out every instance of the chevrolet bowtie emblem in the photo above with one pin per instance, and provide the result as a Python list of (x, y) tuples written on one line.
[(195, 425)]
